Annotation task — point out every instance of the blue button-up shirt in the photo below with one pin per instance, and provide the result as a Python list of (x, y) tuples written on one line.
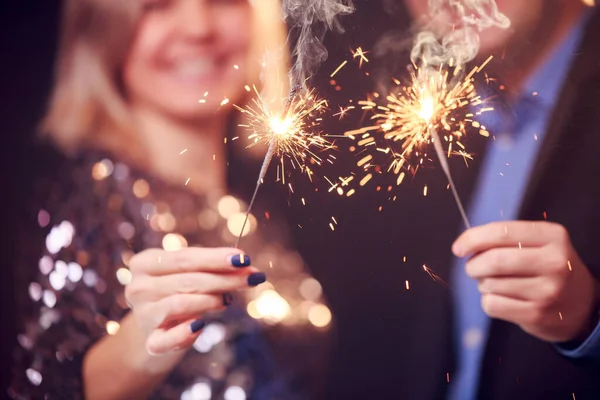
[(501, 186)]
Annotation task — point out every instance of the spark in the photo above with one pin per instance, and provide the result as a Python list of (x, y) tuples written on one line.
[(183, 151), (224, 102), (338, 69), (466, 156), (343, 111), (361, 55), (433, 276)]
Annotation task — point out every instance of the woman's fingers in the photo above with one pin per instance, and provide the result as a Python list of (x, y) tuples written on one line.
[(150, 288), (180, 307), (178, 337), (158, 262)]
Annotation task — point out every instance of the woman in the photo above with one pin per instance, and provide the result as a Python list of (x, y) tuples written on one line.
[(121, 307)]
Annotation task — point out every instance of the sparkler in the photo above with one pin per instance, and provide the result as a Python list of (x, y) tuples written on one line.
[(437, 100), (290, 136)]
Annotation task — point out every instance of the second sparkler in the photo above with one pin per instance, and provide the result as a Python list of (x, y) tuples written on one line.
[(437, 107)]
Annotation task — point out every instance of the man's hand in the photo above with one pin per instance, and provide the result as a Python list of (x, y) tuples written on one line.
[(530, 275)]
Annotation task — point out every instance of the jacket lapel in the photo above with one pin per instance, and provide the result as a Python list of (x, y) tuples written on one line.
[(585, 66)]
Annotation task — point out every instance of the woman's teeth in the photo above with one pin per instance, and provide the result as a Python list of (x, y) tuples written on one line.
[(194, 68)]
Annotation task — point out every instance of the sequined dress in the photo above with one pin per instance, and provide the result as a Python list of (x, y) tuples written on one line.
[(270, 344)]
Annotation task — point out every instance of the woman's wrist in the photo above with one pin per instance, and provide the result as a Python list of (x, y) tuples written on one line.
[(139, 359)]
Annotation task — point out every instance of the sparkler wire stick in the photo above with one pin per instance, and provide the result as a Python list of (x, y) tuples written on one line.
[(437, 144), (267, 161)]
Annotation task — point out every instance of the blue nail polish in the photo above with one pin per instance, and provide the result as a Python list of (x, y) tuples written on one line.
[(256, 279), (227, 299), (241, 260), (197, 325)]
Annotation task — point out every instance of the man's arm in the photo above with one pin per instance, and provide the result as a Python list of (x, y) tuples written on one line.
[(588, 346)]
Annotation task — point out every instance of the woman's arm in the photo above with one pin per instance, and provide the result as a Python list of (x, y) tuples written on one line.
[(120, 367)]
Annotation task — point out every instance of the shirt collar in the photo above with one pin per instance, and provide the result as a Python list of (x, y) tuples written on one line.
[(547, 81)]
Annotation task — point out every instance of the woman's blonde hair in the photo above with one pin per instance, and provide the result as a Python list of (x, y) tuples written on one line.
[(87, 104)]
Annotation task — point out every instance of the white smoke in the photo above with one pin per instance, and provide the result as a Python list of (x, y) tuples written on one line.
[(309, 20), (453, 33)]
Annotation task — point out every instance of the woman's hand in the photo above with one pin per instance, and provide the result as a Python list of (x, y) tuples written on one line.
[(170, 291)]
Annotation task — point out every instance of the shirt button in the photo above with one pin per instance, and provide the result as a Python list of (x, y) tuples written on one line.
[(472, 338)]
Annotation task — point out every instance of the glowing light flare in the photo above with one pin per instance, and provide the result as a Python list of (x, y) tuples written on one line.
[(269, 306), (112, 327), (281, 126), (319, 315), (427, 109)]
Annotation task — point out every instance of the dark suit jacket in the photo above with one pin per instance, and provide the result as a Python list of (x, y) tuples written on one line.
[(394, 343)]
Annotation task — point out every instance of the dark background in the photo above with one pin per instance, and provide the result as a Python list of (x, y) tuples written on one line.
[(28, 33)]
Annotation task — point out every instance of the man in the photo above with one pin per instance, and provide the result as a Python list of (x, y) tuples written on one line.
[(530, 274), (522, 272), (534, 280)]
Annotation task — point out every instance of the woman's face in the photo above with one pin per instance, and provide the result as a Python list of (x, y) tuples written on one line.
[(186, 48)]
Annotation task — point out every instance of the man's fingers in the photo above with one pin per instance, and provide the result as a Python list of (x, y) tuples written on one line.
[(507, 309), (503, 262), (526, 289), (192, 259), (517, 234)]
